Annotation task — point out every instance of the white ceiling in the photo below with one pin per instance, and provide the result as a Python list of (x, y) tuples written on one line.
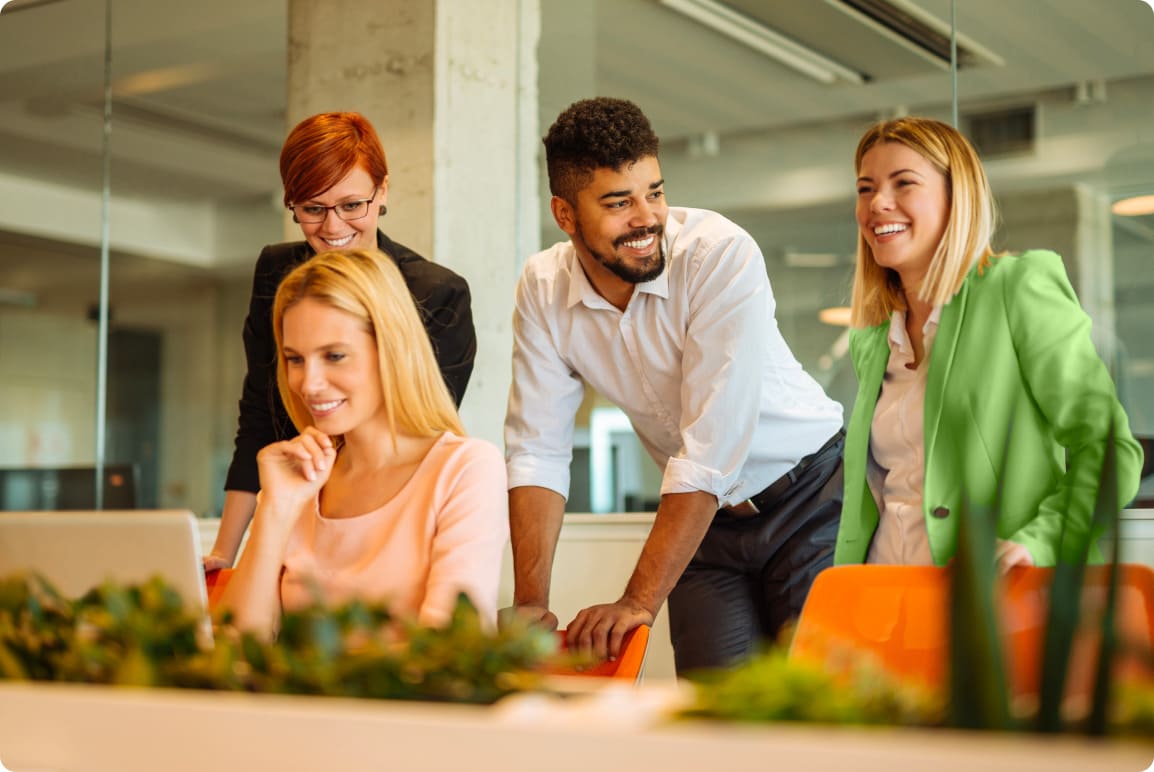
[(199, 88)]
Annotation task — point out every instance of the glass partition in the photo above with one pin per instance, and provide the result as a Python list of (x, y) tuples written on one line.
[(51, 120), (198, 119), (197, 98)]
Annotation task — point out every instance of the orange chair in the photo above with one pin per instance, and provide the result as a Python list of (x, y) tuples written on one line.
[(896, 613), (1023, 606), (215, 582), (899, 615), (629, 665)]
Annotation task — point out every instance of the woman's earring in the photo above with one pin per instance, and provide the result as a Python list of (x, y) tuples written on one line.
[(384, 209)]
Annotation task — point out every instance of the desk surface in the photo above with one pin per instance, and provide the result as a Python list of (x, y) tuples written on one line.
[(104, 729)]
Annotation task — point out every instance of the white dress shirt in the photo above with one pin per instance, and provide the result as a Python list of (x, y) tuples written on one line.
[(695, 360), (897, 460)]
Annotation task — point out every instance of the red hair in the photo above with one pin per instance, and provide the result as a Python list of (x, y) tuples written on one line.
[(320, 151)]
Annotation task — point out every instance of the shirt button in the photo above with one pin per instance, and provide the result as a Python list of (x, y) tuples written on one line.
[(940, 512)]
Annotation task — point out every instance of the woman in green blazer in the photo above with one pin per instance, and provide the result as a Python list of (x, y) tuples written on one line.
[(979, 386)]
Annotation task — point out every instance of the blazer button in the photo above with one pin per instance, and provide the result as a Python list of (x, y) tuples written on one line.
[(940, 512)]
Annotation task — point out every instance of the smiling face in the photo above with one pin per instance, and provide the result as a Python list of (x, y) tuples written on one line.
[(335, 233), (332, 365), (617, 225), (902, 209)]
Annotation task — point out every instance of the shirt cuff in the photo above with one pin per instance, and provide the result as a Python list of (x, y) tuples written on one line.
[(685, 476), (527, 470)]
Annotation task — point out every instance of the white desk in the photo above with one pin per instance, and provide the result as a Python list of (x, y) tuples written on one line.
[(60, 728)]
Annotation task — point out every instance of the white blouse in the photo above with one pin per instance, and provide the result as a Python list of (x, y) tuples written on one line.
[(897, 464)]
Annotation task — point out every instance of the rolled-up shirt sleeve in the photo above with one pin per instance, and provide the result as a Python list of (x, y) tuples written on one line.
[(543, 399), (731, 306)]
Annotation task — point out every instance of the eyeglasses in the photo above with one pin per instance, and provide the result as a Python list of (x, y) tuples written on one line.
[(346, 210)]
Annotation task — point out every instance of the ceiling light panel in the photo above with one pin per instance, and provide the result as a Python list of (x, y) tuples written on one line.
[(749, 31), (876, 50)]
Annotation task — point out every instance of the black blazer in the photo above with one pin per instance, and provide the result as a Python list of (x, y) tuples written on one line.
[(442, 297)]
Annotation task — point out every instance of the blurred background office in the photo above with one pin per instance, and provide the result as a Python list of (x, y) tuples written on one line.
[(139, 142)]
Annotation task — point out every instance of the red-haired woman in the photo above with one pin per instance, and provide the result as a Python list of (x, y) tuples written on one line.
[(336, 184)]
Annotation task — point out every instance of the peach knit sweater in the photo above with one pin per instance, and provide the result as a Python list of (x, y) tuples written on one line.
[(443, 533)]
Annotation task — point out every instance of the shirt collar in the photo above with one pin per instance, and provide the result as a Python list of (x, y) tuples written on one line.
[(898, 336)]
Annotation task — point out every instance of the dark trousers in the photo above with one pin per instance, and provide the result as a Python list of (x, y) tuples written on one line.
[(751, 574)]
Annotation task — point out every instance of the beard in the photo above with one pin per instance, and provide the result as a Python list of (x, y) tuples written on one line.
[(635, 273)]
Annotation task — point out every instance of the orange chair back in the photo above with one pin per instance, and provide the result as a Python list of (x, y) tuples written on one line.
[(215, 582), (900, 616), (629, 665), (896, 613), (1023, 606)]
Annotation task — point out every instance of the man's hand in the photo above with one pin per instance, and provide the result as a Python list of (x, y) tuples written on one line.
[(600, 629), (540, 616)]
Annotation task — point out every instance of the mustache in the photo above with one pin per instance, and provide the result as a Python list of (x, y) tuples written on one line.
[(640, 233)]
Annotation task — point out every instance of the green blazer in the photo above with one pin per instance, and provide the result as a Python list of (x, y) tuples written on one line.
[(1015, 393)]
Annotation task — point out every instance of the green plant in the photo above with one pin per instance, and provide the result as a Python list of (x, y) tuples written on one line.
[(975, 640), (1065, 599), (772, 687), (141, 635)]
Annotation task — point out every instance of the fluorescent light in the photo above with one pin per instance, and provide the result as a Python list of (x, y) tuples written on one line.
[(917, 31), (764, 40), (837, 316), (811, 259), (1134, 206)]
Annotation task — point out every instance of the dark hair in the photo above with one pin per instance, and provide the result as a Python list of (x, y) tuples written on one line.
[(322, 149), (594, 134)]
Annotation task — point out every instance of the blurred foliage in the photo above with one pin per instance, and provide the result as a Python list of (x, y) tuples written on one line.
[(975, 635), (141, 636), (855, 689), (1132, 711), (772, 687)]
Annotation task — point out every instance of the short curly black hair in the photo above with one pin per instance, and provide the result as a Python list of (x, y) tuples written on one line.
[(592, 134)]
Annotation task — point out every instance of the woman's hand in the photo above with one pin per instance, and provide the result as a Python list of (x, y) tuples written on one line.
[(215, 562), (294, 471), (1008, 554)]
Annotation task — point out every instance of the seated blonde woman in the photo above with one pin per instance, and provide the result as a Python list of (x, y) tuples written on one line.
[(380, 496)]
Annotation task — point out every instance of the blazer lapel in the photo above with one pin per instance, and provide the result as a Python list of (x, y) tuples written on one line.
[(941, 362), (871, 352), (871, 366)]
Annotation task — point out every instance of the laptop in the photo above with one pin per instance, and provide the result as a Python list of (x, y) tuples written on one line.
[(77, 551)]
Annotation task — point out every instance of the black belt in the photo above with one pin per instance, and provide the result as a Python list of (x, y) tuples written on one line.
[(768, 498)]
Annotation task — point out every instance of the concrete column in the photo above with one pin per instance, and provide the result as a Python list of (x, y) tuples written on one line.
[(451, 85), (1094, 253)]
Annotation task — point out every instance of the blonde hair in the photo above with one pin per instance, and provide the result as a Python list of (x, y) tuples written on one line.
[(367, 284), (877, 291)]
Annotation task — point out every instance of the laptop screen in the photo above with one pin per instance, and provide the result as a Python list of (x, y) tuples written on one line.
[(77, 551)]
